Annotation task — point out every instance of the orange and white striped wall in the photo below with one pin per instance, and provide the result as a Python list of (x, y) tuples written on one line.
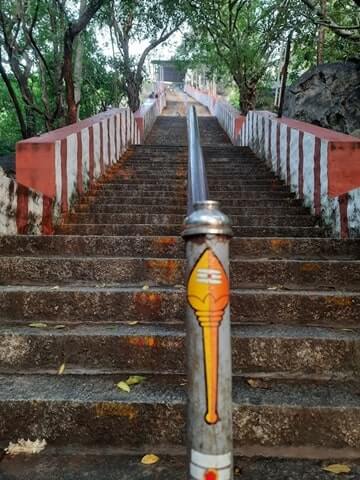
[(321, 166), (22, 210), (63, 163)]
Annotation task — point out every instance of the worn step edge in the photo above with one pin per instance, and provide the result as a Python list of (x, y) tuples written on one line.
[(290, 352), (63, 407)]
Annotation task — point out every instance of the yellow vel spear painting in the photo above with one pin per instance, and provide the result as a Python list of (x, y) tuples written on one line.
[(208, 294)]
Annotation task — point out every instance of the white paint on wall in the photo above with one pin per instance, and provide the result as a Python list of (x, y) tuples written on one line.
[(58, 176), (354, 212), (97, 169), (294, 160), (85, 142), (309, 148), (112, 140), (71, 165), (283, 150), (123, 139), (35, 209), (8, 205), (105, 143)]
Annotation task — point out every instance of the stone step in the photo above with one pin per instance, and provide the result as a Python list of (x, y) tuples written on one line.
[(181, 194), (159, 219), (132, 176), (182, 186), (283, 352), (181, 210), (74, 303), (113, 464), (170, 246), (245, 272), (225, 203), (72, 246), (91, 410), (117, 182), (173, 230)]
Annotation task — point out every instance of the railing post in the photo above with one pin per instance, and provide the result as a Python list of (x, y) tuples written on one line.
[(207, 234)]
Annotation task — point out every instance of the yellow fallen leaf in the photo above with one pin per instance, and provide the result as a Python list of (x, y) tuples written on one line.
[(58, 327), (150, 459), (337, 468), (38, 325), (134, 380), (123, 386), (146, 287), (61, 369), (133, 323)]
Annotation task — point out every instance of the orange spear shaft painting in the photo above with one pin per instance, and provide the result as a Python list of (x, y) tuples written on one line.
[(208, 295)]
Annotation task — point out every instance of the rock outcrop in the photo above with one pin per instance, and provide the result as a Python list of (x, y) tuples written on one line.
[(327, 95)]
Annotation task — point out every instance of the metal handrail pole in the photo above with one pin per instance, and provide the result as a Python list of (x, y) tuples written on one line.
[(207, 232)]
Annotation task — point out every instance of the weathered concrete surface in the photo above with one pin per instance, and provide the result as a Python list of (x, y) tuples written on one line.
[(92, 410), (92, 465), (280, 351), (95, 465), (151, 271), (328, 96), (112, 298)]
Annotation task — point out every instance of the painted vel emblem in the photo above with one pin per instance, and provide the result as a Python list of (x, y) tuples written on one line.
[(208, 294)]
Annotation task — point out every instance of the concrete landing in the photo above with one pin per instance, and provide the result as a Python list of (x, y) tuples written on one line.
[(96, 465)]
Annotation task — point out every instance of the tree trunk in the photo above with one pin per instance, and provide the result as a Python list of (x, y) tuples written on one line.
[(133, 88), (12, 93), (321, 36), (78, 64), (68, 77), (247, 100)]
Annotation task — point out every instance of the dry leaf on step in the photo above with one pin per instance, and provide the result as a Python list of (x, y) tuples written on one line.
[(258, 383), (145, 287), (61, 369), (123, 386), (133, 323), (38, 325), (25, 446), (150, 459), (59, 327), (337, 468), (135, 379)]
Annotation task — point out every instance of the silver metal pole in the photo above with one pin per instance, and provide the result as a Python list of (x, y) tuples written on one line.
[(207, 234)]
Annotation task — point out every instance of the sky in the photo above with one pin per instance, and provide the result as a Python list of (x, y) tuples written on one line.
[(164, 51)]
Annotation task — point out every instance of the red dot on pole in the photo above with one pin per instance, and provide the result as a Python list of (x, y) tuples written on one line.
[(211, 475)]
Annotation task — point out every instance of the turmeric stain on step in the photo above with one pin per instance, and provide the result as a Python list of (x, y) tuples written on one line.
[(142, 341), (309, 267), (342, 301), (147, 302), (114, 409), (168, 270)]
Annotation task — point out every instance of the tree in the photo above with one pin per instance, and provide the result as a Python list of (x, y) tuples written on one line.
[(242, 36), (343, 18), (37, 44), (141, 21)]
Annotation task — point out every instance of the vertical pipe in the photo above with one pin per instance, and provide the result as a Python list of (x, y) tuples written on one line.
[(209, 423)]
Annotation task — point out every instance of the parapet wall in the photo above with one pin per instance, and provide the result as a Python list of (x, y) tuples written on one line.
[(62, 164), (147, 114), (321, 166), (52, 170)]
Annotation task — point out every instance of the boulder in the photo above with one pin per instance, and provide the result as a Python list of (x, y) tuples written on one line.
[(327, 95)]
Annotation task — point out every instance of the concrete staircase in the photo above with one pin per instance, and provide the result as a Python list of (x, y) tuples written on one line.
[(109, 291)]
